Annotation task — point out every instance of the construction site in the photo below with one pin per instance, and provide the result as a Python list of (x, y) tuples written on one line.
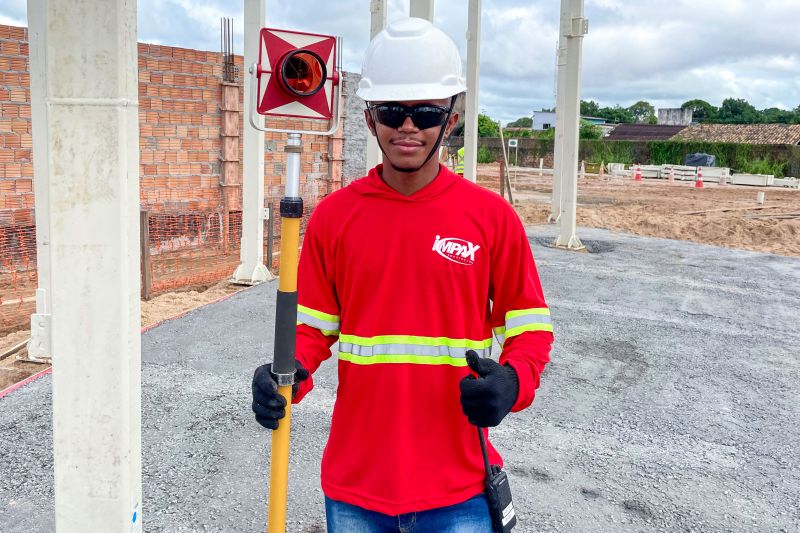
[(669, 403)]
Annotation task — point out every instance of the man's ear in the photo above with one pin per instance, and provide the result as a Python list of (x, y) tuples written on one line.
[(451, 124), (370, 122)]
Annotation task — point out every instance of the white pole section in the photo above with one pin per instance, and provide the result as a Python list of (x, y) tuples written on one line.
[(378, 10), (573, 29), (473, 87), (251, 269), (422, 9), (88, 66), (558, 140), (40, 347)]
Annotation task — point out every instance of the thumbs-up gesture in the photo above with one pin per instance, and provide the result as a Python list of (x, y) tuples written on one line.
[(488, 398)]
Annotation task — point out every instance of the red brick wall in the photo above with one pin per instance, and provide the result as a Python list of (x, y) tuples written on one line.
[(181, 146)]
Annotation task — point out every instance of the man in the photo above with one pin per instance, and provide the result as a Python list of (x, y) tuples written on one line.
[(408, 269)]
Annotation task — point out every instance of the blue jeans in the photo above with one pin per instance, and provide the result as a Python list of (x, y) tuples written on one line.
[(471, 516)]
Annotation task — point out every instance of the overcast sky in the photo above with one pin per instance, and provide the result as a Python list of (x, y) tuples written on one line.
[(665, 52)]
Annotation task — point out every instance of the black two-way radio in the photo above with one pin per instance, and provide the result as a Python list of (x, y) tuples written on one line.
[(498, 493)]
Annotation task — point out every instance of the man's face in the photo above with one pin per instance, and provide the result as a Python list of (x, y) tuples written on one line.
[(407, 146)]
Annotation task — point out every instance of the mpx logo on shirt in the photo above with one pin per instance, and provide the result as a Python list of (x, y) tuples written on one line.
[(456, 250)]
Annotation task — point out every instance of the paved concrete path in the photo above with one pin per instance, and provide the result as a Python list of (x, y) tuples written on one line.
[(671, 404)]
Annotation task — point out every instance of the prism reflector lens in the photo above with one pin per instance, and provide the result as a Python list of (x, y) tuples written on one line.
[(303, 73)]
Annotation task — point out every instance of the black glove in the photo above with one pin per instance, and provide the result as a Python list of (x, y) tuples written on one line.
[(489, 397), (268, 405)]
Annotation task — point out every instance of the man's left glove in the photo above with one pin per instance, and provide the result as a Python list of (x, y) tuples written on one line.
[(489, 397), (268, 405)]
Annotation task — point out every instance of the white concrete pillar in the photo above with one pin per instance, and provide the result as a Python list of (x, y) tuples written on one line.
[(422, 9), (473, 88), (573, 27), (40, 347), (378, 10), (558, 139), (251, 269), (86, 77)]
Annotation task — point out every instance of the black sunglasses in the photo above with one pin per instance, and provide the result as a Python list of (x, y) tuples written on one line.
[(423, 116)]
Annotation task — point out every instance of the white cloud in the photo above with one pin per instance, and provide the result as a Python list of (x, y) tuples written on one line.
[(663, 52)]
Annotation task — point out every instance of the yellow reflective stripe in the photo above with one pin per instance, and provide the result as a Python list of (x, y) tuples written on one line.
[(528, 327), (520, 312), (414, 359), (318, 314), (324, 331), (413, 339)]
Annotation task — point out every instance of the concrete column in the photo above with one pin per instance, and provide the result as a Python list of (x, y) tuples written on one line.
[(251, 269), (378, 9), (85, 96), (422, 9), (39, 347), (558, 140), (573, 27), (473, 88)]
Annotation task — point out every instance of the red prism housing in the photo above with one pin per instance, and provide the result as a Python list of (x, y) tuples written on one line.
[(296, 74)]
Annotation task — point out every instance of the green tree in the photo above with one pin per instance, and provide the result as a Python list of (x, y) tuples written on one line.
[(590, 108), (774, 115), (521, 122), (642, 111), (738, 111), (702, 111), (617, 114), (487, 127), (589, 131)]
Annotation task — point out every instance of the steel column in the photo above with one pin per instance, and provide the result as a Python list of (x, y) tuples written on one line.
[(473, 88)]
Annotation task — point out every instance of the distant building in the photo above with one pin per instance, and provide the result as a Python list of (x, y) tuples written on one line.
[(675, 117), (742, 133), (544, 120)]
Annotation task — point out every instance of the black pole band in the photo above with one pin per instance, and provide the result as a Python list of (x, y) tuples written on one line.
[(291, 207), (285, 332)]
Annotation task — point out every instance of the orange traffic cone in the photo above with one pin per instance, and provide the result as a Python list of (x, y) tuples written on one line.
[(699, 181), (637, 175)]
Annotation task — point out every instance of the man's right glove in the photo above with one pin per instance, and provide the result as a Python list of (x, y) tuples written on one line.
[(268, 405)]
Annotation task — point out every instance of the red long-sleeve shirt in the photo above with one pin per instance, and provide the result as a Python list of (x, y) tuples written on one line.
[(407, 284)]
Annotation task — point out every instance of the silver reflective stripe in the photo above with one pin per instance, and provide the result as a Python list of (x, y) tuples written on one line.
[(409, 349), (527, 319), (315, 322)]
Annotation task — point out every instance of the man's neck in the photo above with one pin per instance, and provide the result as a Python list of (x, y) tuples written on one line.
[(407, 183)]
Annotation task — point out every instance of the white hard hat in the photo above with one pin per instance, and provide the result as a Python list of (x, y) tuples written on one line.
[(411, 60)]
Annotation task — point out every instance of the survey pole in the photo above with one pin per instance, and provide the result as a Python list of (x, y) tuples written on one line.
[(251, 269), (378, 9), (422, 9), (86, 92), (572, 29), (473, 87)]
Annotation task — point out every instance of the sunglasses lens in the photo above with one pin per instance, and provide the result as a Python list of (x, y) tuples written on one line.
[(392, 116), (423, 116), (428, 117)]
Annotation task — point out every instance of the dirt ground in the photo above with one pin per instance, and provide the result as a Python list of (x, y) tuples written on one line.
[(13, 370), (723, 215)]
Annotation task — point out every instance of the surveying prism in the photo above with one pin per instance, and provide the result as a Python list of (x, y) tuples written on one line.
[(296, 77)]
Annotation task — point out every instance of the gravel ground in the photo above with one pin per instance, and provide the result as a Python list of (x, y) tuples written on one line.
[(670, 405)]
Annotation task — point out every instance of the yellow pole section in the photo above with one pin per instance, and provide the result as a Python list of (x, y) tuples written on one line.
[(279, 468), (290, 244), (279, 465)]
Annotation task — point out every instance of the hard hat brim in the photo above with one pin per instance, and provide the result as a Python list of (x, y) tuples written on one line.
[(400, 93)]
